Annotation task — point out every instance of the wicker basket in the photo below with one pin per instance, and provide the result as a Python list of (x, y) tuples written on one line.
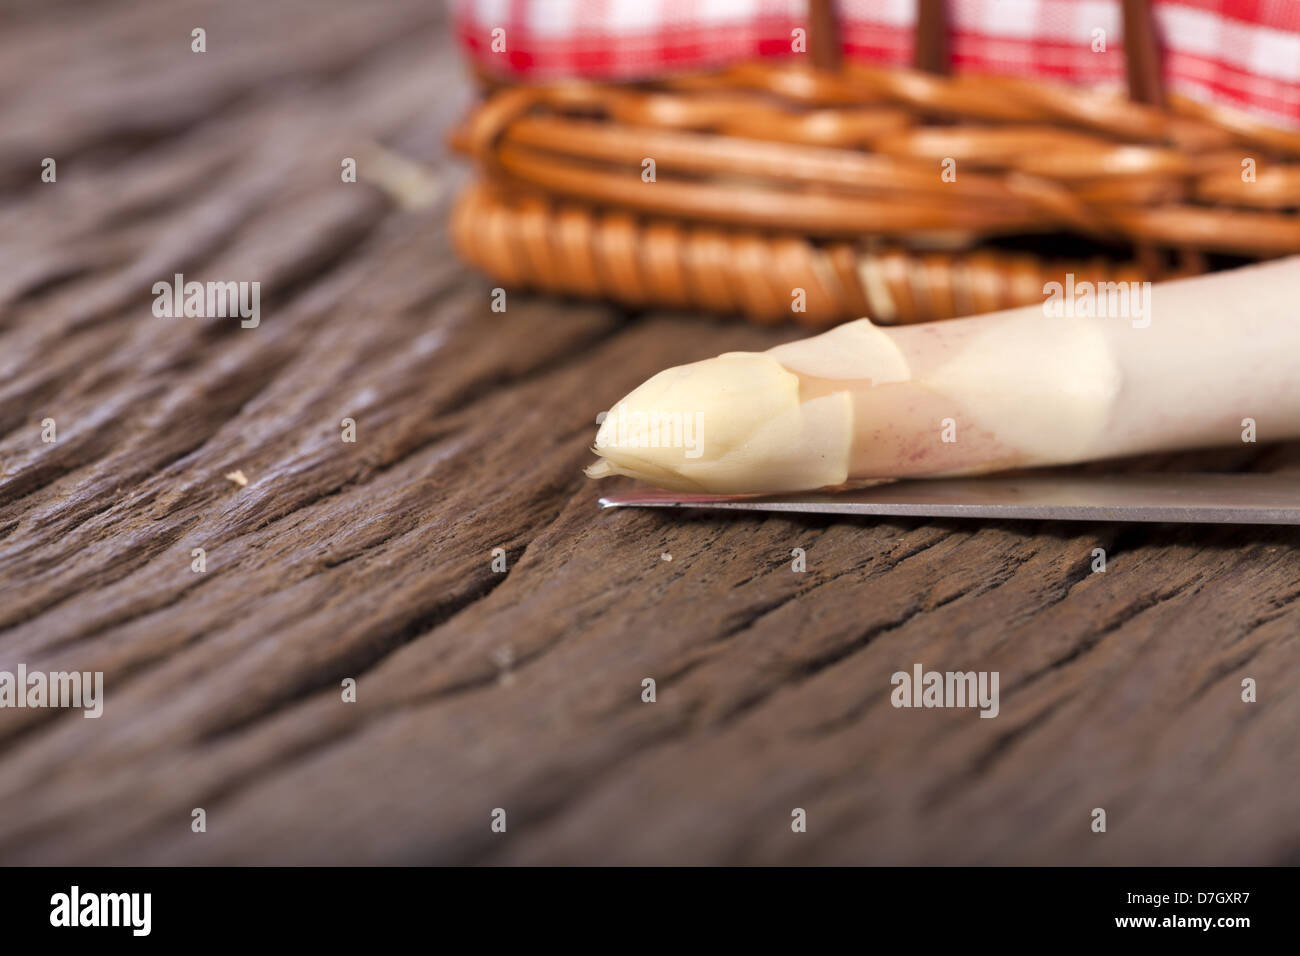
[(830, 186)]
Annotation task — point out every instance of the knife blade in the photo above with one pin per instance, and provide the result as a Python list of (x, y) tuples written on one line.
[(1188, 498)]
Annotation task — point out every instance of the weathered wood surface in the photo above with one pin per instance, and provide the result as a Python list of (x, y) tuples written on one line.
[(372, 560)]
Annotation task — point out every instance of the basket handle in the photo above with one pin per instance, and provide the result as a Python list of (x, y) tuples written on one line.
[(1142, 54), (1141, 46), (931, 36), (824, 35), (931, 51)]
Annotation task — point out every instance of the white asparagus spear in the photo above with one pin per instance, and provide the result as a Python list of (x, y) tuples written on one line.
[(1006, 390)]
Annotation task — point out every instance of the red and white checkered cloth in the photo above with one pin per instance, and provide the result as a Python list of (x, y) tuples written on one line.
[(1239, 53)]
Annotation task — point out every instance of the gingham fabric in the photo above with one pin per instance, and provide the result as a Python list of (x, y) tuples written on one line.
[(1239, 53)]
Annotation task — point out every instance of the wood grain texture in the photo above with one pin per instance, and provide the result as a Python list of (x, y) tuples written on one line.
[(372, 560)]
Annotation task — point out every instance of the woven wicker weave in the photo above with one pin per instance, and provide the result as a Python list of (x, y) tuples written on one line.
[(771, 179)]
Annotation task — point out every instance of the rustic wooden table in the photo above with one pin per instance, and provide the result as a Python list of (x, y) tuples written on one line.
[(478, 690)]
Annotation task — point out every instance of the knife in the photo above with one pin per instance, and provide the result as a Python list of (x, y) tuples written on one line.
[(1193, 498)]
